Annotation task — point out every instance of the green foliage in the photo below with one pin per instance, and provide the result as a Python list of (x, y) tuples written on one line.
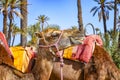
[(110, 41), (31, 33), (74, 27), (116, 58), (53, 26), (36, 28), (15, 29)]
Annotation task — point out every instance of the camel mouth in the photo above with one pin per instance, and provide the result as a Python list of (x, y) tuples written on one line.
[(76, 41)]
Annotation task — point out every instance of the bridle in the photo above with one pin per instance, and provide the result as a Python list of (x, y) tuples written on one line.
[(56, 46)]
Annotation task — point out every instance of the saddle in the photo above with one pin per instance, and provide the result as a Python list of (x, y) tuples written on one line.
[(22, 58), (5, 53), (82, 52), (18, 58)]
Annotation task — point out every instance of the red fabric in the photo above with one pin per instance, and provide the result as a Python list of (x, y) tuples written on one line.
[(86, 53), (91, 39), (3, 39), (78, 51), (85, 50)]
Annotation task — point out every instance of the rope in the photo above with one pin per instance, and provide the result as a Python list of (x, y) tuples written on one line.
[(56, 45)]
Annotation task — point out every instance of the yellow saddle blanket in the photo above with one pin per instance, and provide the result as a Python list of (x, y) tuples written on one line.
[(21, 58), (69, 52)]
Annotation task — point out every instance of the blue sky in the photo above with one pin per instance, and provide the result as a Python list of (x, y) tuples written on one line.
[(63, 13)]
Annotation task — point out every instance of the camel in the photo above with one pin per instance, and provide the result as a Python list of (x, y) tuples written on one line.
[(47, 65)]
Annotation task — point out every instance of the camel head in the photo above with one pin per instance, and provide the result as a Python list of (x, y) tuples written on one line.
[(63, 38)]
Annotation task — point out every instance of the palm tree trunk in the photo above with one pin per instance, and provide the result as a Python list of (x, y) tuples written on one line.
[(10, 29), (104, 19), (23, 23), (119, 40), (115, 11), (5, 23), (13, 40), (42, 26), (80, 21)]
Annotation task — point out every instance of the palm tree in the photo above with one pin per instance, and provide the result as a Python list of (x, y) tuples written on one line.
[(15, 31), (23, 21), (110, 42), (4, 4), (118, 24), (116, 2), (43, 19), (114, 47), (97, 31), (31, 32), (80, 21), (8, 8), (103, 11), (119, 39), (14, 4), (115, 15)]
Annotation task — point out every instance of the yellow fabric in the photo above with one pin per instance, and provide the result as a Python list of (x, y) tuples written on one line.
[(21, 60), (68, 53)]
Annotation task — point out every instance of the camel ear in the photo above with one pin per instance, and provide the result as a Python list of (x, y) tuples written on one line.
[(38, 34)]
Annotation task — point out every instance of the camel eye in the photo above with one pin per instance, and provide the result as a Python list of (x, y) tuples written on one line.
[(54, 34), (38, 34)]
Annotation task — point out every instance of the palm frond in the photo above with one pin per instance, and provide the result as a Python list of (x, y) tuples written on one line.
[(109, 3), (97, 1), (18, 14), (93, 9), (15, 30), (100, 15), (109, 7), (53, 26), (2, 9), (107, 15), (97, 9)]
